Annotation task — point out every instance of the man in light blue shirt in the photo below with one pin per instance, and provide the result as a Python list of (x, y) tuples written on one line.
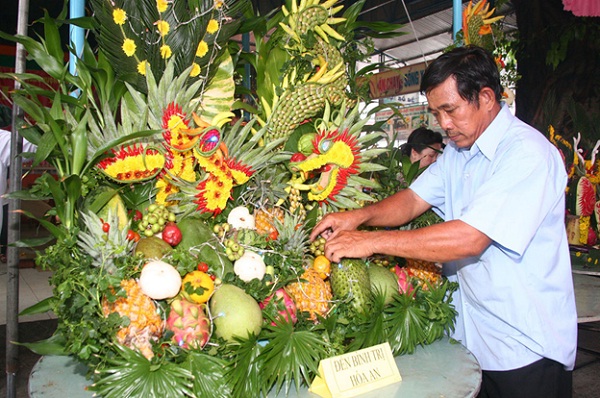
[(500, 187)]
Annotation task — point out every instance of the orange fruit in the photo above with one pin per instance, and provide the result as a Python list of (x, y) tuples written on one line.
[(322, 265), (198, 286)]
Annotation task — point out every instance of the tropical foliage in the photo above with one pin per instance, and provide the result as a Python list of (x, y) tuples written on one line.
[(152, 165)]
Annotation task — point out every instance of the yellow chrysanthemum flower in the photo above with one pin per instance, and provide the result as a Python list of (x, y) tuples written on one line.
[(195, 70), (165, 188), (175, 124), (129, 47), (212, 26), (218, 4), (202, 49), (584, 225), (163, 28), (162, 5), (142, 66), (119, 16), (165, 51)]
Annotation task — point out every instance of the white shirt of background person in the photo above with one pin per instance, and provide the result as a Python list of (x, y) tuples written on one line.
[(5, 138)]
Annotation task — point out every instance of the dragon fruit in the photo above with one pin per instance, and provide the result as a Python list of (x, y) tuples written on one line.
[(189, 324), (283, 303), (404, 285)]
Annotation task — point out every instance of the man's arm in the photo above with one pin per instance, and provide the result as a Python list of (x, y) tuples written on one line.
[(392, 211), (448, 241)]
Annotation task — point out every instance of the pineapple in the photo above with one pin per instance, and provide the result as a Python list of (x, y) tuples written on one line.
[(145, 325), (350, 281), (189, 324), (311, 295), (292, 235), (425, 272), (264, 219)]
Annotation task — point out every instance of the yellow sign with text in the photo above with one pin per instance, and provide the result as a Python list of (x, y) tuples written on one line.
[(356, 373)]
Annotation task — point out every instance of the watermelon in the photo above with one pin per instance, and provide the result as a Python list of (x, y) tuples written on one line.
[(103, 199), (586, 197), (581, 197), (198, 237)]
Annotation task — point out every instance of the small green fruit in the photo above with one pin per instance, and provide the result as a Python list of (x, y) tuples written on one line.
[(152, 247)]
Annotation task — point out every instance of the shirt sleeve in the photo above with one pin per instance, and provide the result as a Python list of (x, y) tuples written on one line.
[(520, 190)]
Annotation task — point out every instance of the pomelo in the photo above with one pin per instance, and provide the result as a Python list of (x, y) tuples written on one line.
[(383, 280), (235, 313)]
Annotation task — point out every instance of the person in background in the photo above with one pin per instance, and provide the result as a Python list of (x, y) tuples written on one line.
[(423, 146), (500, 187), (5, 140)]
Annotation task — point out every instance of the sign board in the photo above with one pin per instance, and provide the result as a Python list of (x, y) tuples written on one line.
[(396, 81), (413, 117), (356, 373)]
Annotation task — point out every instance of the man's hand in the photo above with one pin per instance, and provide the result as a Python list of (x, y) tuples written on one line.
[(334, 223), (349, 244)]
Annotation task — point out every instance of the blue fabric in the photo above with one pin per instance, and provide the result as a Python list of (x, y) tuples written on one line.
[(516, 301)]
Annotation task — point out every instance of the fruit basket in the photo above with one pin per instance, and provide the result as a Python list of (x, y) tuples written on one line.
[(180, 252)]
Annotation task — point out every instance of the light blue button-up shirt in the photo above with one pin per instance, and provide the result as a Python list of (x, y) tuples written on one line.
[(515, 301)]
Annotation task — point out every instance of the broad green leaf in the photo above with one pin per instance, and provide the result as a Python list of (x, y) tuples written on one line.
[(53, 345), (58, 232), (218, 95), (33, 242), (52, 39), (39, 308)]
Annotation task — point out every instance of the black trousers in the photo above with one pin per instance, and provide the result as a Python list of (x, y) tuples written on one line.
[(542, 379)]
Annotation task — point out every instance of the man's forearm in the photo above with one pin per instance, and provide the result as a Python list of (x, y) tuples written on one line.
[(393, 211), (442, 242)]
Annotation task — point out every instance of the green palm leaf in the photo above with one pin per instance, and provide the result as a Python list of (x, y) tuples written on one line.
[(291, 356), (405, 323), (130, 374), (209, 372), (244, 374)]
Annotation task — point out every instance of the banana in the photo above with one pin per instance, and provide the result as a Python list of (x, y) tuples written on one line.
[(221, 118), (321, 33), (332, 32)]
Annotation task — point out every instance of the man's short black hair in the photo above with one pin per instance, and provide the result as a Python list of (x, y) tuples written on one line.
[(473, 68)]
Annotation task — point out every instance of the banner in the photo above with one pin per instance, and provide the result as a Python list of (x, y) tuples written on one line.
[(397, 81)]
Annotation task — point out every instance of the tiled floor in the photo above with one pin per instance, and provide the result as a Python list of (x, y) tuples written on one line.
[(33, 287)]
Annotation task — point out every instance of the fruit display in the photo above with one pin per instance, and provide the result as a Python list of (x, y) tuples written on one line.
[(187, 270)]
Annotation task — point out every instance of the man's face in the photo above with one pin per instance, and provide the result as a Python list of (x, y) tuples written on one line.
[(463, 122)]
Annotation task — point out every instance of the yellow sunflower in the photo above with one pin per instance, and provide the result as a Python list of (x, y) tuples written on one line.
[(212, 26), (119, 16), (195, 70), (163, 28), (129, 47), (165, 51), (202, 49), (162, 5), (142, 66)]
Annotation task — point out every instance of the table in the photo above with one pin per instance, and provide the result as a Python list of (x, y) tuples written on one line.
[(436, 370), (587, 297)]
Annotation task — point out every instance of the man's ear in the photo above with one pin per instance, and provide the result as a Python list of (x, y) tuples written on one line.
[(487, 98)]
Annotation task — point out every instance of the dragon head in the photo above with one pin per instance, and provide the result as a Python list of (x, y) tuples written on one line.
[(335, 157)]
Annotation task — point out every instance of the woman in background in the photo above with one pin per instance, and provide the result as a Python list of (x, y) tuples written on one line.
[(423, 146)]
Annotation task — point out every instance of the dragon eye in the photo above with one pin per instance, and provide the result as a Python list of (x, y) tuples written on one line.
[(324, 145), (209, 142)]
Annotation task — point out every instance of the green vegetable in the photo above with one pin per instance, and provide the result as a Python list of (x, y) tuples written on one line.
[(198, 237)]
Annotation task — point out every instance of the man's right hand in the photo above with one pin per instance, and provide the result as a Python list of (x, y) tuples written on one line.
[(334, 223)]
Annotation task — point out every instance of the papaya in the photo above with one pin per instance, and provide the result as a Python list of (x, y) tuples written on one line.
[(199, 238)]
